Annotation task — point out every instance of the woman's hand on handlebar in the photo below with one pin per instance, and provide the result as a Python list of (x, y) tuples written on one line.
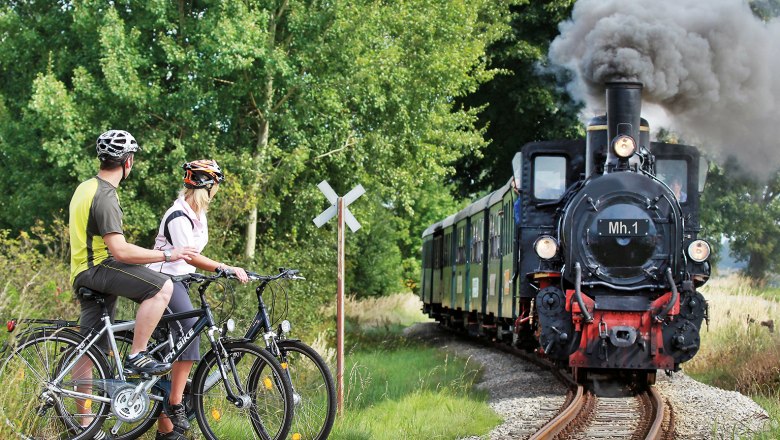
[(234, 271), (240, 274)]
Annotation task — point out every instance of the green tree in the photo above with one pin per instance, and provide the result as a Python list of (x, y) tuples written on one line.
[(283, 93), (526, 102), (766, 9), (737, 205)]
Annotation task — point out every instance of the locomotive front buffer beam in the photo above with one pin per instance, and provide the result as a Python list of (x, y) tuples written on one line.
[(621, 339)]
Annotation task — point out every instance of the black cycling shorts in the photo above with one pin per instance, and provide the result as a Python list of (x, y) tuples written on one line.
[(114, 279)]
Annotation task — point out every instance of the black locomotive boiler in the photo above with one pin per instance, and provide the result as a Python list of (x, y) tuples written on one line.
[(601, 271)]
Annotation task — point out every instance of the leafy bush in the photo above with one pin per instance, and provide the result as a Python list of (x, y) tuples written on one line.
[(36, 272)]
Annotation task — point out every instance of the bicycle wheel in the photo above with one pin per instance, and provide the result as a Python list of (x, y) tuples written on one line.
[(314, 392), (34, 405), (129, 431), (256, 377)]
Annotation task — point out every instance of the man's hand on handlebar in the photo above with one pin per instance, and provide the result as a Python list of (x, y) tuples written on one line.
[(183, 253)]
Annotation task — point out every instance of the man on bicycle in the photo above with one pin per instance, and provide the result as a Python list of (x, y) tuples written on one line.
[(103, 261)]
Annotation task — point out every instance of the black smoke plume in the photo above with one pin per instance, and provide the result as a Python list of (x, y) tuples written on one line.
[(712, 65)]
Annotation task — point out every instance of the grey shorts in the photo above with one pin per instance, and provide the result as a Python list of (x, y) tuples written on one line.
[(115, 279), (180, 302)]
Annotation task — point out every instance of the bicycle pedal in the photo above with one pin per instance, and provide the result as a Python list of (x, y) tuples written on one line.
[(137, 375)]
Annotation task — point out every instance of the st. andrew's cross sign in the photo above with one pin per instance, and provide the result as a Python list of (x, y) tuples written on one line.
[(329, 213), (339, 207)]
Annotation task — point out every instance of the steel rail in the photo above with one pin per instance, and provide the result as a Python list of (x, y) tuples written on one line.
[(656, 431), (562, 420), (554, 427)]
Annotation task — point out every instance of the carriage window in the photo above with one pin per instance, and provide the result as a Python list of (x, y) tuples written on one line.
[(549, 177), (674, 173)]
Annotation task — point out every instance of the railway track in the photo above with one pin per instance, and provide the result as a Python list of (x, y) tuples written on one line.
[(625, 415), (618, 414)]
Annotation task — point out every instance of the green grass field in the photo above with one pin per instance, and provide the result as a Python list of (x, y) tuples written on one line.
[(412, 392), (399, 389)]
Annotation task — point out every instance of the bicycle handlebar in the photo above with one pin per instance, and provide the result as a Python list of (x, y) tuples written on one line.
[(291, 274), (229, 273)]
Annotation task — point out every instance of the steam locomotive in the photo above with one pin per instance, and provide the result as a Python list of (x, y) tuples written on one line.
[(601, 269)]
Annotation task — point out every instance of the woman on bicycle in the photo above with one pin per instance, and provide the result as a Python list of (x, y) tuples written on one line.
[(184, 224)]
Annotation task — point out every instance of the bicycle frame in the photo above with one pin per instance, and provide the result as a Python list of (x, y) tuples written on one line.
[(261, 324)]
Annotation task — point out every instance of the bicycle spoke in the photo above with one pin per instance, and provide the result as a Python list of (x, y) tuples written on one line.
[(263, 411), (311, 395), (29, 406)]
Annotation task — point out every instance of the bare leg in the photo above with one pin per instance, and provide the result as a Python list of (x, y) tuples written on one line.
[(149, 313), (181, 370), (82, 371)]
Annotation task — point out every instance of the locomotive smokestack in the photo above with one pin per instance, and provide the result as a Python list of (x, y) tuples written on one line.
[(624, 106)]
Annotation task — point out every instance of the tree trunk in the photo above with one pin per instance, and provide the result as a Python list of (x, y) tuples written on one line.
[(262, 137), (258, 159), (251, 234), (756, 269)]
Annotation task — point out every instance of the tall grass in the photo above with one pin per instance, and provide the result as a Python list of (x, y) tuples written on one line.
[(401, 309), (740, 348)]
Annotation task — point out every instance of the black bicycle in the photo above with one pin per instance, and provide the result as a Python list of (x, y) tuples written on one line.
[(314, 391), (62, 386)]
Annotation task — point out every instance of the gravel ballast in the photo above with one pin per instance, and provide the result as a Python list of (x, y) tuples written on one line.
[(526, 396)]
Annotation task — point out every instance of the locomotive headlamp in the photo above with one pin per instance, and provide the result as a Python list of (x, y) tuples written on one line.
[(699, 250), (624, 146), (546, 247)]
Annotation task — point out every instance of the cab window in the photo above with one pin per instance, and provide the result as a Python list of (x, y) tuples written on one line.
[(549, 177), (674, 173)]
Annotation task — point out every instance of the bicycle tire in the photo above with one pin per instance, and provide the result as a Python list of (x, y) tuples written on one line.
[(35, 360), (314, 392), (259, 373)]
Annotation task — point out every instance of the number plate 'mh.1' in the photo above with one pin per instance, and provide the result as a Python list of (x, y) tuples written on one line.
[(623, 227)]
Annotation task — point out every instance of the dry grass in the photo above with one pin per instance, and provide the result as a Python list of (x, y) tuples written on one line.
[(734, 302), (400, 309), (388, 314), (740, 349)]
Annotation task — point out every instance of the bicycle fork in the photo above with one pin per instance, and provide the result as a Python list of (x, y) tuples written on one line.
[(241, 399)]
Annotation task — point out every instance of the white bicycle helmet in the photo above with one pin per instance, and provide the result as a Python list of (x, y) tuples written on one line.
[(115, 145)]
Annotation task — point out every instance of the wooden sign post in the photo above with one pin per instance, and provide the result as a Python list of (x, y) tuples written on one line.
[(339, 208)]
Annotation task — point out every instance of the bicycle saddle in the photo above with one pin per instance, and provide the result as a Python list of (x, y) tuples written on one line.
[(87, 294)]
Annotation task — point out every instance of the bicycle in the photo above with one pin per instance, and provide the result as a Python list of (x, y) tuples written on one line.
[(51, 398), (314, 391), (313, 388)]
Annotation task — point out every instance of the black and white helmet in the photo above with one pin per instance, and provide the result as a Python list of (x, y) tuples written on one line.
[(115, 145)]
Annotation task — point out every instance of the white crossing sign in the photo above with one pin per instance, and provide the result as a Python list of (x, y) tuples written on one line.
[(339, 207), (331, 212)]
